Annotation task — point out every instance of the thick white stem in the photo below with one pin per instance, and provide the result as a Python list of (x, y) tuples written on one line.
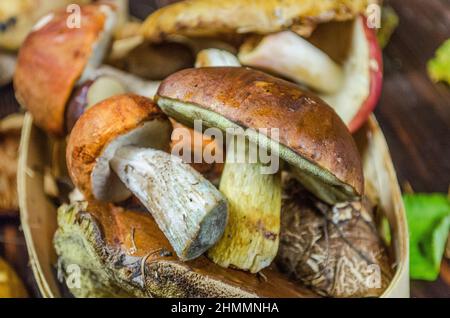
[(190, 211)]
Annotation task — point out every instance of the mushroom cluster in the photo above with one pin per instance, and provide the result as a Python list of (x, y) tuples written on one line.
[(199, 238)]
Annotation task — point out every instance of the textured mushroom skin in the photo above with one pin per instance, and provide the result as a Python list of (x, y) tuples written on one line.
[(128, 247), (98, 127), (199, 18), (51, 61), (253, 99)]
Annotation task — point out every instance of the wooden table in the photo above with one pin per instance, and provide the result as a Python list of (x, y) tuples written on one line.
[(413, 112)]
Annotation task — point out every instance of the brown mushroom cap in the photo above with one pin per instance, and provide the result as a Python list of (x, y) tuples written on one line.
[(312, 138), (52, 59), (118, 121), (204, 18)]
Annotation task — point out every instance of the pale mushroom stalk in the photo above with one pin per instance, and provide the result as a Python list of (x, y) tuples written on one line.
[(251, 238), (187, 207), (129, 159)]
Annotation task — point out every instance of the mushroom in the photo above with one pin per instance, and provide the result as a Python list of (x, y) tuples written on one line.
[(55, 60), (250, 241), (295, 39), (116, 148), (313, 141), (352, 89)]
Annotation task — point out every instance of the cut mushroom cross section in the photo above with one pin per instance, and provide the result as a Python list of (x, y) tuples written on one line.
[(115, 149)]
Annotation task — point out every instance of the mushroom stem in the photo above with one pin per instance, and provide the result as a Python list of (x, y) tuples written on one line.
[(190, 211), (250, 241)]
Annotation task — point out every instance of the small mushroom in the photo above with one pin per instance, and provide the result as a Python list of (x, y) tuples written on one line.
[(116, 148)]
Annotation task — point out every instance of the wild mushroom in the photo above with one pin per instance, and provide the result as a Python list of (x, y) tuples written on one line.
[(352, 88), (250, 240), (55, 59), (115, 149), (312, 140), (296, 39)]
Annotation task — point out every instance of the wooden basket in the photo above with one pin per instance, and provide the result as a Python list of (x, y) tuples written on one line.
[(38, 213)]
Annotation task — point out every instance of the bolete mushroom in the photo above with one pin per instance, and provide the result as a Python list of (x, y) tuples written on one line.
[(334, 250), (294, 39), (313, 140), (250, 240), (56, 59), (115, 149), (352, 87)]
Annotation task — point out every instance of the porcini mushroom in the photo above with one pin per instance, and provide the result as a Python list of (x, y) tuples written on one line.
[(115, 149), (250, 240), (313, 140), (56, 59), (311, 137), (351, 88), (282, 37)]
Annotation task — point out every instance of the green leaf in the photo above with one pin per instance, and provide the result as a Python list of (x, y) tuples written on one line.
[(439, 66), (429, 224)]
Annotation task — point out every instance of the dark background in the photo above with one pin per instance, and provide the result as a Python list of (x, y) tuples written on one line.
[(414, 114)]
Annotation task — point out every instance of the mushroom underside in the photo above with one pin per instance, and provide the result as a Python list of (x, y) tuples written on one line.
[(317, 180)]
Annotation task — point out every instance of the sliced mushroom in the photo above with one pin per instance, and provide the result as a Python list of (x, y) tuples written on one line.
[(115, 149)]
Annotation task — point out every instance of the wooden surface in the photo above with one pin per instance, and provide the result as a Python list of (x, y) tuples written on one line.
[(413, 112)]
